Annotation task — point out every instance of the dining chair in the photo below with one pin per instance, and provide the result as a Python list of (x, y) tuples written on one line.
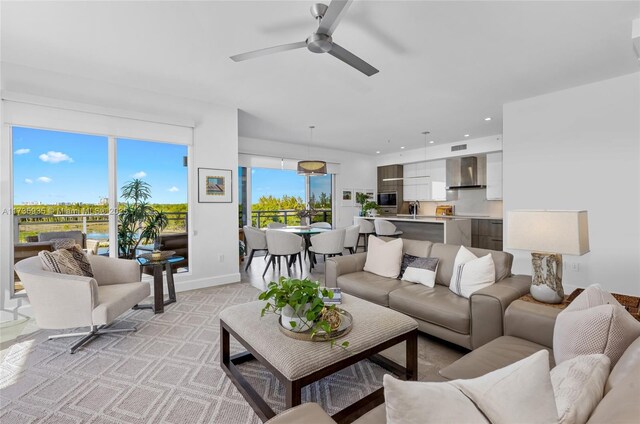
[(273, 225), (283, 244), (321, 225), (256, 240), (366, 228), (386, 228), (326, 244), (352, 234)]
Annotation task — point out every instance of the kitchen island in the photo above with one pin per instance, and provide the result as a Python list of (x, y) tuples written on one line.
[(450, 230)]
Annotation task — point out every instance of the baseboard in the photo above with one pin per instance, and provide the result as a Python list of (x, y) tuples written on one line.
[(201, 283)]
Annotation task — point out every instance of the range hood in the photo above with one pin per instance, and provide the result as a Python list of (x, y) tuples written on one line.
[(467, 172)]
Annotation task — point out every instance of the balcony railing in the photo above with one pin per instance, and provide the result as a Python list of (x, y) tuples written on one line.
[(260, 219), (95, 225)]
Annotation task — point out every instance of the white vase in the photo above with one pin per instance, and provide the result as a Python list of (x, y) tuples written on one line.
[(288, 315)]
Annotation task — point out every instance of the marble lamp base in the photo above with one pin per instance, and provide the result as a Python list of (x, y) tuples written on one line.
[(546, 282)]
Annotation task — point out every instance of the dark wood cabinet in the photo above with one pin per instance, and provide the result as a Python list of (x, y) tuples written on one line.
[(391, 171), (486, 233)]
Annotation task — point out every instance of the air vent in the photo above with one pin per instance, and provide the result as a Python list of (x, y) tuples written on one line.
[(458, 147)]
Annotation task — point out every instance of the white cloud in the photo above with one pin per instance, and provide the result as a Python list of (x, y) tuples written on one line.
[(140, 174), (174, 189), (22, 151), (28, 180), (55, 157), (45, 179)]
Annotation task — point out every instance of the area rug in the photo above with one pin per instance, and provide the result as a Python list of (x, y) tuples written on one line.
[(166, 372)]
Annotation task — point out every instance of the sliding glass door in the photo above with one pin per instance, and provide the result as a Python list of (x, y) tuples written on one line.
[(60, 192), (320, 197), (61, 195)]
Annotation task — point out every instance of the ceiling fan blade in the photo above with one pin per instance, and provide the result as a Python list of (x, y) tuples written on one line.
[(337, 9), (268, 50), (352, 60)]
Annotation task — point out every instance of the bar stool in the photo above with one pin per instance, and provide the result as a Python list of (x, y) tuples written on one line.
[(366, 229), (386, 228)]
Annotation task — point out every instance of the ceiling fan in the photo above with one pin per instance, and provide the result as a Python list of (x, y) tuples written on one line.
[(320, 41)]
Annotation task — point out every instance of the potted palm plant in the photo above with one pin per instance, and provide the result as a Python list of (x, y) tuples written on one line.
[(138, 222), (301, 307)]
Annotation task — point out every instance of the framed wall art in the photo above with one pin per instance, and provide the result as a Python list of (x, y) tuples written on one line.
[(214, 185), (347, 197)]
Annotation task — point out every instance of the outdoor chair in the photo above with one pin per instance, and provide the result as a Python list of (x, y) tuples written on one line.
[(283, 244), (256, 241), (386, 228), (321, 225), (273, 225), (326, 244), (62, 301), (352, 234)]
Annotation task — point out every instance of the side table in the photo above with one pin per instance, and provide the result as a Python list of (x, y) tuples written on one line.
[(158, 284)]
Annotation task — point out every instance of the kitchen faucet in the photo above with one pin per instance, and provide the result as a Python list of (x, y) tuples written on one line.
[(414, 206)]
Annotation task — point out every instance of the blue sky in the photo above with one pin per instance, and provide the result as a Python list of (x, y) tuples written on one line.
[(277, 183), (54, 167)]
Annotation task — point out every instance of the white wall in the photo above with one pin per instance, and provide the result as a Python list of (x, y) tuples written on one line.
[(579, 149), (356, 171)]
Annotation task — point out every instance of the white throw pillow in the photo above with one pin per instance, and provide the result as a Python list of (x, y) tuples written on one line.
[(384, 258), (518, 393), (578, 386), (471, 273), (594, 322)]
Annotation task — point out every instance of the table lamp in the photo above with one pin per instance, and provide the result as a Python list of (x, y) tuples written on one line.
[(548, 235)]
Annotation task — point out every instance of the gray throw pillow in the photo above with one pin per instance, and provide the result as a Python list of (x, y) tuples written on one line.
[(416, 269), (62, 243)]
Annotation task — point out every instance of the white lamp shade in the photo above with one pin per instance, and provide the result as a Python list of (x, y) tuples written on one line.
[(563, 232)]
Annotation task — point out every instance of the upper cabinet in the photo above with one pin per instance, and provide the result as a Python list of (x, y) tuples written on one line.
[(425, 181), (494, 176)]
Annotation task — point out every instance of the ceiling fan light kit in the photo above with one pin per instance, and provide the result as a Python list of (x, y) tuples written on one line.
[(320, 41)]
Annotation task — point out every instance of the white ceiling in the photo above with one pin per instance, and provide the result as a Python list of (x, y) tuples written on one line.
[(444, 66)]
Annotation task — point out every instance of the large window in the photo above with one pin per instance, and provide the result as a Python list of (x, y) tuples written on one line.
[(61, 191), (277, 195)]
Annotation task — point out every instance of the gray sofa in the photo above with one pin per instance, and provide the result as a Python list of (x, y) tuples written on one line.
[(469, 323), (528, 329)]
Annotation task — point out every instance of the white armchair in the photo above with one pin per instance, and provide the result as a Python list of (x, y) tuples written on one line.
[(63, 301), (352, 234), (256, 240), (386, 228), (326, 244), (281, 243)]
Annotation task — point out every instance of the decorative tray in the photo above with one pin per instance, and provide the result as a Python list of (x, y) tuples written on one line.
[(345, 327), (165, 254)]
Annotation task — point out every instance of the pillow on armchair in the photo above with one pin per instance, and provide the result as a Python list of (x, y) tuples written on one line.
[(520, 392), (72, 261), (594, 322)]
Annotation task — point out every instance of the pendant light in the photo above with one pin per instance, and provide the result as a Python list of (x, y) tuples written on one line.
[(311, 167), (426, 133)]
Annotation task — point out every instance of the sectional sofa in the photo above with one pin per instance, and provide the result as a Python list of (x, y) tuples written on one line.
[(469, 323)]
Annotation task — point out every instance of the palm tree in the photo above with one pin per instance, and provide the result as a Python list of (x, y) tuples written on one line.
[(139, 222)]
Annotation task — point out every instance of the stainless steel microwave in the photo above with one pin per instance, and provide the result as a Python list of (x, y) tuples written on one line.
[(388, 199)]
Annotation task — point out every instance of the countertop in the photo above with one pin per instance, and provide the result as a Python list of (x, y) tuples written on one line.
[(433, 219)]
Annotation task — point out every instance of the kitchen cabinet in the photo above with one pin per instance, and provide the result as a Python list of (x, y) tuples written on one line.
[(486, 234), (431, 188), (391, 171), (494, 176)]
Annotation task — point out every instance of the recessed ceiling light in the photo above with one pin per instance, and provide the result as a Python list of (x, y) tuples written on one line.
[(466, 135), (402, 147), (378, 151), (431, 142), (488, 118)]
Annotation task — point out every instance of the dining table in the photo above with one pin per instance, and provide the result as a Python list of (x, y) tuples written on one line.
[(305, 232)]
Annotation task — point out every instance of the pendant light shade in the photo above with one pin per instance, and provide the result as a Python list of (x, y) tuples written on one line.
[(312, 167)]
